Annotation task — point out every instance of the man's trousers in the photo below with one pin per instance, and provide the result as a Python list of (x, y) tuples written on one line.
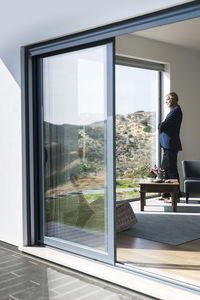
[(169, 164)]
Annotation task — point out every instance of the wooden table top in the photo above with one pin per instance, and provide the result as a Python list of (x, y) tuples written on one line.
[(146, 182)]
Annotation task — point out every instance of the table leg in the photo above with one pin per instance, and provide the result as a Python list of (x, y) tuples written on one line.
[(142, 200), (174, 201)]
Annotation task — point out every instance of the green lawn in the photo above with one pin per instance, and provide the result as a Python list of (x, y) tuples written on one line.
[(77, 211), (83, 211)]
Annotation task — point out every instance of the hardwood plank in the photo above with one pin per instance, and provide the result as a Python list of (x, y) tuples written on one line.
[(182, 260)]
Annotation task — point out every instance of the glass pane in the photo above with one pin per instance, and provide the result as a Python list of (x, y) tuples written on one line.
[(75, 200), (136, 134)]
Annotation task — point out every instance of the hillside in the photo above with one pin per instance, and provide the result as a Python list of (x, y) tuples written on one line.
[(79, 149), (135, 142)]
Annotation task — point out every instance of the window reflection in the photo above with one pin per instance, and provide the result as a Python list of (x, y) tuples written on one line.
[(74, 147)]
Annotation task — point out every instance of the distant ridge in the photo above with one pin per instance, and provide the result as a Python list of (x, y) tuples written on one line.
[(72, 145)]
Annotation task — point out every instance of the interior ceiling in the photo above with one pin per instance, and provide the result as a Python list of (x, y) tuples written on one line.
[(184, 34)]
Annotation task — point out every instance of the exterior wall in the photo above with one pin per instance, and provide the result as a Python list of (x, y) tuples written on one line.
[(10, 159), (30, 24), (184, 65)]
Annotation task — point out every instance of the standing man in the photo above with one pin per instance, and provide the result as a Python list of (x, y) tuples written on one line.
[(170, 139)]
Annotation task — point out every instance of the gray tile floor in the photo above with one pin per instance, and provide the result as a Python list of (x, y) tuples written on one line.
[(24, 277)]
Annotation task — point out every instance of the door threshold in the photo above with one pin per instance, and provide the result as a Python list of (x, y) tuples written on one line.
[(178, 281), (118, 274)]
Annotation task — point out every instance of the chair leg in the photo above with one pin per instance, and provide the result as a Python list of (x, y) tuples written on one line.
[(187, 197)]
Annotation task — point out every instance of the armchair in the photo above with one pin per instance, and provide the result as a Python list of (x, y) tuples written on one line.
[(191, 177)]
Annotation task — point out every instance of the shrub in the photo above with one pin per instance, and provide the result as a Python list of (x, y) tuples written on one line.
[(147, 129)]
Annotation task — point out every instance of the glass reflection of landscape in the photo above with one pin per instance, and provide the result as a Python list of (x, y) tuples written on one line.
[(74, 147)]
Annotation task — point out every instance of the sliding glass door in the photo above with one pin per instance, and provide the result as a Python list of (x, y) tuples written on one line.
[(77, 186)]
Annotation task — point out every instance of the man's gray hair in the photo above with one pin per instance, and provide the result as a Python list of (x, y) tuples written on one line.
[(173, 96)]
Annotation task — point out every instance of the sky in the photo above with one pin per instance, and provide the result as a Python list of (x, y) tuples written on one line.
[(75, 87), (136, 89)]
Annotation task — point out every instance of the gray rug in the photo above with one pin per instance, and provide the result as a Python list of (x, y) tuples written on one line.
[(184, 209), (169, 228)]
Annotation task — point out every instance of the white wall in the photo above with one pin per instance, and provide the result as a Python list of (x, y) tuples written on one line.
[(10, 159), (23, 22), (184, 67)]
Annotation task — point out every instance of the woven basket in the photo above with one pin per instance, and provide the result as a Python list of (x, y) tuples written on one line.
[(125, 216)]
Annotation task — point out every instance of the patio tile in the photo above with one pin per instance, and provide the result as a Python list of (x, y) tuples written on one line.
[(23, 277)]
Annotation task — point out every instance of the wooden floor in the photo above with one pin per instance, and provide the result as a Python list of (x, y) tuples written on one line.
[(182, 260)]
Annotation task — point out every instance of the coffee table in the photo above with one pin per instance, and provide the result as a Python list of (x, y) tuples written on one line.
[(155, 187)]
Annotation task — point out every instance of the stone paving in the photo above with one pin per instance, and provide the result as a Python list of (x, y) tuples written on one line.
[(24, 277)]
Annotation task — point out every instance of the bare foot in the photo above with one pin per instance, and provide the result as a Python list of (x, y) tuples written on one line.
[(161, 198), (168, 200)]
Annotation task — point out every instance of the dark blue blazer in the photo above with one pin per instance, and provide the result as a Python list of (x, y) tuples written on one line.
[(170, 130)]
